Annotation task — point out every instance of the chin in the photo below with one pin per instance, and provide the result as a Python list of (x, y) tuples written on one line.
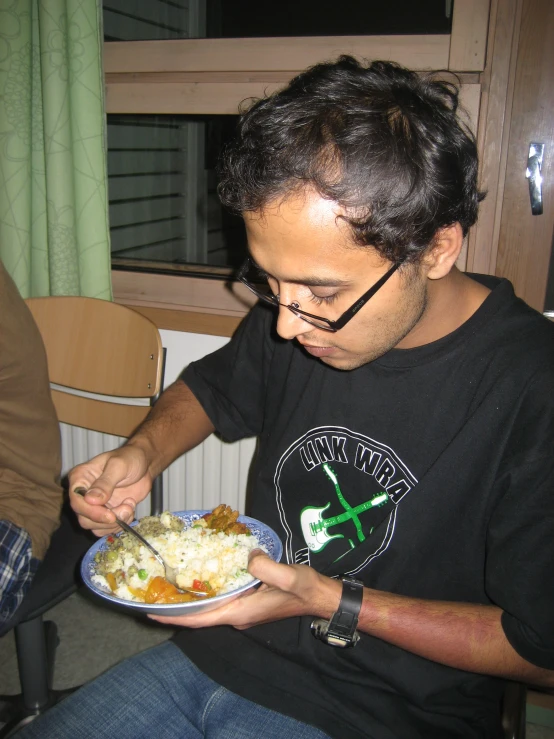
[(345, 364)]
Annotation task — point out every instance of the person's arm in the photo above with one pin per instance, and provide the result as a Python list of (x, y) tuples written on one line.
[(461, 635), (124, 476), (466, 636), (175, 424)]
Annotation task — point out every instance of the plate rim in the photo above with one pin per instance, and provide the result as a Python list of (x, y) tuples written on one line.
[(86, 571)]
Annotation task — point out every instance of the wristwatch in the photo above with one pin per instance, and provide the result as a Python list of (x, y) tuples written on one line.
[(340, 630)]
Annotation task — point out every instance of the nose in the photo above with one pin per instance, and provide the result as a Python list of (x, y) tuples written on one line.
[(289, 325)]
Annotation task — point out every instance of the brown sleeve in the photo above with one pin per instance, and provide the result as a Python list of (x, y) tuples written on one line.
[(30, 457)]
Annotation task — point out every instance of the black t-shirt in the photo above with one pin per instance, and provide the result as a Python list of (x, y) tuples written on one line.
[(458, 434)]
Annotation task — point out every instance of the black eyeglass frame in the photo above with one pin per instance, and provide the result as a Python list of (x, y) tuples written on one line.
[(331, 325)]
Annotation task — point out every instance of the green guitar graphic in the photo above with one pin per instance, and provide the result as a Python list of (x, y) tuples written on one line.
[(314, 526)]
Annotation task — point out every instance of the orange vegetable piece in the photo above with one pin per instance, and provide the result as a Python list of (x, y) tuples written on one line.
[(161, 591), (110, 577), (139, 593)]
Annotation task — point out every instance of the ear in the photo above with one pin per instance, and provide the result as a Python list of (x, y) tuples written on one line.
[(444, 251)]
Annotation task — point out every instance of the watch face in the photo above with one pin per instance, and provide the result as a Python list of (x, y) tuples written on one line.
[(340, 631), (320, 629), (338, 641)]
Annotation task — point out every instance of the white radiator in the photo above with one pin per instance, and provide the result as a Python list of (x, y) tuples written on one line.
[(212, 473)]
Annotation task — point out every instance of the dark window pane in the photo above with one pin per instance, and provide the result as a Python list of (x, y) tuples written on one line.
[(153, 20), (162, 191), (250, 18), (136, 20)]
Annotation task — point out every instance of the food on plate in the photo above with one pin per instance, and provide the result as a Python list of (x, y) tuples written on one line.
[(210, 555), (224, 518)]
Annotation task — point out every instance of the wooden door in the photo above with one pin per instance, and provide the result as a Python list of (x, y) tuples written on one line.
[(525, 240)]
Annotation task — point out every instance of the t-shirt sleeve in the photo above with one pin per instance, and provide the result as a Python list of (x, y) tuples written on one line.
[(230, 383), (520, 546)]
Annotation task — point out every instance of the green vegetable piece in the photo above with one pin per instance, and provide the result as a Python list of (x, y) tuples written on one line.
[(142, 574)]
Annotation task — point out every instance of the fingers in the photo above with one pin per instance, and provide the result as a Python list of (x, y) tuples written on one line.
[(221, 615), (88, 503), (115, 479), (91, 514), (100, 477), (260, 606), (101, 519)]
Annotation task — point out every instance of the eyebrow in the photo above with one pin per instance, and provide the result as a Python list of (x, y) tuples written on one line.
[(319, 282), (308, 281)]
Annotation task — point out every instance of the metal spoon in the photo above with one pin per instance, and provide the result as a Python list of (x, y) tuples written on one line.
[(170, 572)]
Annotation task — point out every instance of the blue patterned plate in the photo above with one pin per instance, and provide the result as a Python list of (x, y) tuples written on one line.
[(266, 537)]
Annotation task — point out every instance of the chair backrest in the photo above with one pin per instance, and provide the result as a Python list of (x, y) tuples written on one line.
[(102, 348)]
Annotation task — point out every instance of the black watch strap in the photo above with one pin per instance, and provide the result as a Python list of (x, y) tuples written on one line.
[(340, 631)]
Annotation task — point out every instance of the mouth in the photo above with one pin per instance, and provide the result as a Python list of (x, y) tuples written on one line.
[(318, 351)]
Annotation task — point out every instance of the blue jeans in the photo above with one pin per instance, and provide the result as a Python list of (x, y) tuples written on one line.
[(160, 694)]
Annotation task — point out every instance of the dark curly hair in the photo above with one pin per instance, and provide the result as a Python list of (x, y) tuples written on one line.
[(382, 141)]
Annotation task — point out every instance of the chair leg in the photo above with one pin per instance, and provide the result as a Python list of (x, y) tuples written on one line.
[(514, 711), (35, 643)]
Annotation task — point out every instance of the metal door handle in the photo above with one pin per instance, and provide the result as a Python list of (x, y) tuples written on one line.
[(533, 174)]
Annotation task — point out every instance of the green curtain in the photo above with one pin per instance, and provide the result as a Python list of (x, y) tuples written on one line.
[(54, 232)]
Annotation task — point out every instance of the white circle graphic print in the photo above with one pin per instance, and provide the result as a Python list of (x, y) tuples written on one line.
[(337, 494)]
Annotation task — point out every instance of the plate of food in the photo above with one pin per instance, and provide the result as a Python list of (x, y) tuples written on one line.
[(209, 550)]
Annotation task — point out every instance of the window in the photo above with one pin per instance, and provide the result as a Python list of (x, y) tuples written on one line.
[(162, 189)]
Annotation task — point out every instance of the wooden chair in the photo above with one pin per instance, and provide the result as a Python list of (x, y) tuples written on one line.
[(101, 357), (103, 348)]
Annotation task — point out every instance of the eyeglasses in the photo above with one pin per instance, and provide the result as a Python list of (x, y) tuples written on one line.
[(249, 274)]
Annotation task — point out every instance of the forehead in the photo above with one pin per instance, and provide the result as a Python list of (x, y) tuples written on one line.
[(304, 212), (304, 229)]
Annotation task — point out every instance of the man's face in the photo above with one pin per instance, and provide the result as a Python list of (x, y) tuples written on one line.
[(310, 258)]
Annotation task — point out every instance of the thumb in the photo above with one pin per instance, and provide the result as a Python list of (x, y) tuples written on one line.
[(262, 567), (101, 489)]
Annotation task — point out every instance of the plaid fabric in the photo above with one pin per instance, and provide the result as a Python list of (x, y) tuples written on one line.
[(17, 567)]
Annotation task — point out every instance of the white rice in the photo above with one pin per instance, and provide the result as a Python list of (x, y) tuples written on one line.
[(197, 553)]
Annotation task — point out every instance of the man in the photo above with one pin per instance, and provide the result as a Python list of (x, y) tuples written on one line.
[(30, 456), (405, 414)]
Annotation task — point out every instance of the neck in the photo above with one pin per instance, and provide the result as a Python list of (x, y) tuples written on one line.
[(451, 301)]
